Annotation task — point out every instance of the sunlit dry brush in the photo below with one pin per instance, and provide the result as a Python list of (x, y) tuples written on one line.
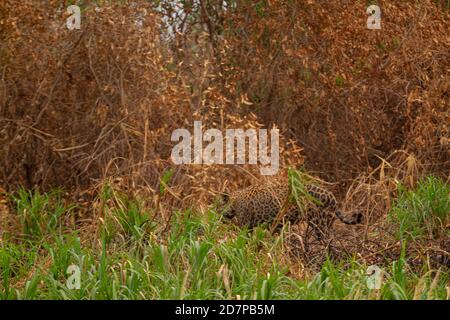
[(80, 105), (348, 95), (83, 107)]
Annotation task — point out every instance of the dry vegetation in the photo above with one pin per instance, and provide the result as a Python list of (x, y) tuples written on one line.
[(365, 110)]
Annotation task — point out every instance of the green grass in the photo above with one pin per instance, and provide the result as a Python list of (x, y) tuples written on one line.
[(423, 212), (40, 214), (197, 257)]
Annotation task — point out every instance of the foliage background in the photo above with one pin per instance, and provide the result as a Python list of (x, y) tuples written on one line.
[(93, 109)]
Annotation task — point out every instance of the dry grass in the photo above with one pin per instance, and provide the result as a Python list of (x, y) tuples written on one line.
[(83, 107)]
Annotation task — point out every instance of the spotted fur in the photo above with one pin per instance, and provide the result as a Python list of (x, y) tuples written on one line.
[(261, 203)]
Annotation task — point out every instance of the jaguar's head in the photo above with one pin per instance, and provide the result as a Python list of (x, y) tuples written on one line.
[(226, 207)]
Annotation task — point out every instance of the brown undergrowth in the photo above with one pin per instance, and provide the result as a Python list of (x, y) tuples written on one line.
[(83, 108)]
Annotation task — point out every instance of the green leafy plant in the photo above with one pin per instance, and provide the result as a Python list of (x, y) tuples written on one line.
[(40, 214), (423, 211)]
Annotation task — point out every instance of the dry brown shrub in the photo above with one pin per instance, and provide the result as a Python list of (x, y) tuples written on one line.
[(86, 107), (77, 103), (348, 95)]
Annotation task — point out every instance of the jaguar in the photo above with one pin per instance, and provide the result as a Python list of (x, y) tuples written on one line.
[(264, 202)]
